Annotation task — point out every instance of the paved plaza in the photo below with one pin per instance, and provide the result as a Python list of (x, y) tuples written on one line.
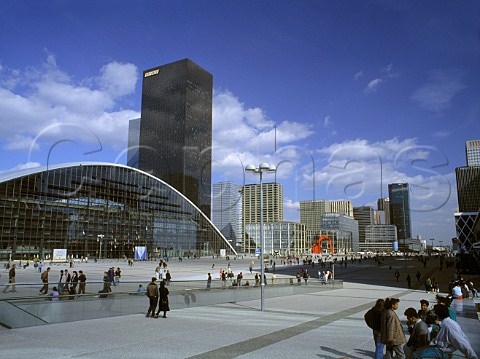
[(324, 324)]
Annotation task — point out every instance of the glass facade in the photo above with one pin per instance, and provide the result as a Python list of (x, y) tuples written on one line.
[(99, 208), (345, 227), (399, 206), (280, 238), (175, 141), (472, 149), (227, 210)]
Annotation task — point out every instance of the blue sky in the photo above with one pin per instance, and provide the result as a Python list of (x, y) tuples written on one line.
[(361, 93)]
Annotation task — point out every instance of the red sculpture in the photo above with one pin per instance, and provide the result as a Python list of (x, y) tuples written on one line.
[(317, 248)]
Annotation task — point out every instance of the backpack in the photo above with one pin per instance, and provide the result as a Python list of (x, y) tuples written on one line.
[(370, 318)]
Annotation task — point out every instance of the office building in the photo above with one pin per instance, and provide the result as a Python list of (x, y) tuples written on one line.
[(280, 238), (365, 217), (346, 229), (379, 238), (468, 194), (272, 207), (311, 213), (227, 210), (472, 149), (133, 142), (272, 202), (399, 204), (175, 132), (342, 207), (99, 210), (382, 215)]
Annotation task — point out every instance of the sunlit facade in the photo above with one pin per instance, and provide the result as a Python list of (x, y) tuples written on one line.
[(280, 238), (95, 208)]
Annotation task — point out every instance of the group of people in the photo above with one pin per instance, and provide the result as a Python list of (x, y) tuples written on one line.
[(65, 286), (462, 288), (433, 333), (157, 295), (162, 273)]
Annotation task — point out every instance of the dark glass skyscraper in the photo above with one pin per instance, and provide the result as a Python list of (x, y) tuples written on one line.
[(175, 141), (399, 204), (468, 194)]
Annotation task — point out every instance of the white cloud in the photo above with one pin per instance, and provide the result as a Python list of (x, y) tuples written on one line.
[(327, 121), (289, 204), (360, 171), (441, 134), (372, 86), (246, 135), (118, 79), (19, 142), (442, 86), (386, 74), (23, 166), (358, 75), (42, 105)]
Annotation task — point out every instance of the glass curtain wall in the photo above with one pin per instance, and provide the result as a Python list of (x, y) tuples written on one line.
[(100, 210)]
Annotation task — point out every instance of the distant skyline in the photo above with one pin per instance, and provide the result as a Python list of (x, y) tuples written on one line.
[(344, 97)]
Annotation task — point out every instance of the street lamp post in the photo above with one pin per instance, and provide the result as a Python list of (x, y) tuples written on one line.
[(262, 168), (99, 239)]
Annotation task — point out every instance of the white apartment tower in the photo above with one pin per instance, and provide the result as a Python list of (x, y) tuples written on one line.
[(272, 203)]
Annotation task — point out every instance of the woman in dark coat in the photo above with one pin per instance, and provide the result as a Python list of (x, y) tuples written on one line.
[(163, 300)]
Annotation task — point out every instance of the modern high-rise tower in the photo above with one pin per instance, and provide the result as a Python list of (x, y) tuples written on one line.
[(175, 137), (383, 211), (472, 149), (468, 195), (365, 217), (399, 204), (227, 210)]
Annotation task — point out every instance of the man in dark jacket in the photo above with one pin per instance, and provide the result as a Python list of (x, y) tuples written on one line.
[(152, 294), (11, 280), (419, 337), (373, 318)]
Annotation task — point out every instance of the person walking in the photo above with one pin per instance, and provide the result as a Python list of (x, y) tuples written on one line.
[(373, 318), (11, 280), (74, 282), (306, 276), (418, 275), (152, 294), (397, 274), (118, 275), (60, 283), (239, 278), (392, 334), (209, 281), (44, 277), (68, 280), (409, 281), (428, 285), (163, 300), (224, 280), (82, 278), (168, 277)]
